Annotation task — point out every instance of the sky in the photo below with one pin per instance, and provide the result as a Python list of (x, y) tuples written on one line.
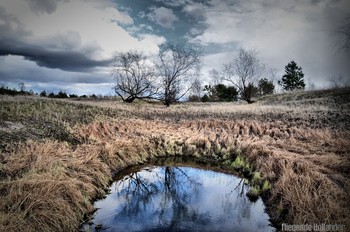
[(70, 45)]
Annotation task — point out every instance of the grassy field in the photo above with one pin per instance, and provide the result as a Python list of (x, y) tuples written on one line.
[(58, 156)]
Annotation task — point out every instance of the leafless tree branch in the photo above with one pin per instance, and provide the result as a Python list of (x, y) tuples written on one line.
[(134, 76), (178, 63), (244, 72)]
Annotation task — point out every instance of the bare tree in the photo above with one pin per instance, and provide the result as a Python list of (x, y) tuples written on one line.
[(178, 64), (197, 88), (215, 77), (22, 87), (134, 76), (244, 72)]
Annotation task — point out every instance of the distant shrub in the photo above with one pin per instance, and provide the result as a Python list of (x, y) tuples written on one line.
[(62, 94), (194, 98), (51, 95), (220, 93), (43, 93), (205, 98), (265, 87)]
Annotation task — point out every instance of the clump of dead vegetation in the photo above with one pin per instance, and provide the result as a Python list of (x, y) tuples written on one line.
[(49, 187), (299, 155)]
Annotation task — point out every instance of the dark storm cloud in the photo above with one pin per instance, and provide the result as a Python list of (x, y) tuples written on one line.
[(29, 73), (64, 60), (54, 52)]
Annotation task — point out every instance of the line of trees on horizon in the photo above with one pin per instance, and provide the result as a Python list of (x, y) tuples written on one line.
[(175, 72), (4, 90), (173, 75)]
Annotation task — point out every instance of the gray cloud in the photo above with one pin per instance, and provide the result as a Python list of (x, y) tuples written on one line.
[(196, 11), (180, 3), (315, 1), (162, 16), (47, 6), (11, 28), (173, 3)]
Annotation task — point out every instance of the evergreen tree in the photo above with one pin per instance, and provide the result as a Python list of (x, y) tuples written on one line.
[(293, 78)]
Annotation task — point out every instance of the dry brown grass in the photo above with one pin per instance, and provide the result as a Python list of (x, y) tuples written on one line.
[(49, 187), (302, 149), (309, 169)]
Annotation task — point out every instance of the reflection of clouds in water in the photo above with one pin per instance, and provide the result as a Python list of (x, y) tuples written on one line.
[(171, 198)]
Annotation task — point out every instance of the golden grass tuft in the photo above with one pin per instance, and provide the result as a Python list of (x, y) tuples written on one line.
[(49, 187)]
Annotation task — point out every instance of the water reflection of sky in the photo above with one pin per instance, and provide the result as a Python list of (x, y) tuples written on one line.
[(180, 199)]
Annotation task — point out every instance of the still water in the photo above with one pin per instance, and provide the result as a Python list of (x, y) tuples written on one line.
[(179, 199)]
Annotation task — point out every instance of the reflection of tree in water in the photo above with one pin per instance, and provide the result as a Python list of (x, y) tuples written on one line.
[(176, 190), (137, 191), (176, 199), (242, 203), (243, 207)]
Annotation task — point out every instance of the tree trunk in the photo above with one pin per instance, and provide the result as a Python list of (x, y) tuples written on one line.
[(130, 99)]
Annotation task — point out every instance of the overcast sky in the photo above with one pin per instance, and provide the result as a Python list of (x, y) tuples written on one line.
[(69, 45)]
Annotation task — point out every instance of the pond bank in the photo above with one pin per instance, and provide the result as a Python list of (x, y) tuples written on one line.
[(178, 197)]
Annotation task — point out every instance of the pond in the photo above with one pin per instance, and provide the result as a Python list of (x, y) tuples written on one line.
[(175, 198)]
